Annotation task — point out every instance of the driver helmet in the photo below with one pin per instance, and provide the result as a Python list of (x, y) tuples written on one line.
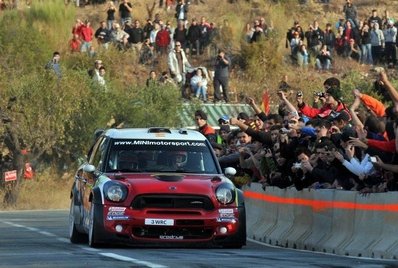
[(180, 157)]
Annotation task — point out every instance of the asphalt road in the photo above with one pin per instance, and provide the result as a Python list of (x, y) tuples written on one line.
[(39, 239)]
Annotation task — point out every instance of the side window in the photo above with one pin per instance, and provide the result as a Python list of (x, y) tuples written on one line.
[(99, 153)]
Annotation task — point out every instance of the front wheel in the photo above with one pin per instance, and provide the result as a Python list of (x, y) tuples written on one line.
[(95, 226), (74, 235)]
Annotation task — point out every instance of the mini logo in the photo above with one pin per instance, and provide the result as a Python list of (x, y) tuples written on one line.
[(173, 188)]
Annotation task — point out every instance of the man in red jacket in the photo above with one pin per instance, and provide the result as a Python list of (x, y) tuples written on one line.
[(87, 34), (332, 106), (162, 40)]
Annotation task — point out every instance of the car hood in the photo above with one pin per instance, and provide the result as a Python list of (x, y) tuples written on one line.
[(170, 183)]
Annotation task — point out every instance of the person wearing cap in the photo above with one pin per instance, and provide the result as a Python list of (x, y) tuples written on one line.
[(333, 101), (390, 36), (203, 127), (377, 42)]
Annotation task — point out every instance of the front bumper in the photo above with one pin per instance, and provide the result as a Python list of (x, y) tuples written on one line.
[(164, 225)]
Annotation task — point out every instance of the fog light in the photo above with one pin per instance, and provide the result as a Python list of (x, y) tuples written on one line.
[(223, 230), (118, 228)]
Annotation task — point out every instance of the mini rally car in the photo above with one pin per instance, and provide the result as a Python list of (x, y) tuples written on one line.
[(156, 185)]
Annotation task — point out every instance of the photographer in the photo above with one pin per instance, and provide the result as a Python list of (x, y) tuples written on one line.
[(221, 76), (332, 104)]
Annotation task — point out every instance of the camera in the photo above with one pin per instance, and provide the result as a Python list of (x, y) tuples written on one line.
[(319, 94), (297, 165), (299, 93)]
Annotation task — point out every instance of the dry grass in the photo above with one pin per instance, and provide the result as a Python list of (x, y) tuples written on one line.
[(46, 191)]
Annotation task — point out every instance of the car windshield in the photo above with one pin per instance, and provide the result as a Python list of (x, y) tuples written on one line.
[(161, 156)]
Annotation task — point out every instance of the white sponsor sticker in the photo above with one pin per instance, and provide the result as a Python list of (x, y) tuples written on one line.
[(120, 209), (171, 237), (161, 222), (226, 210)]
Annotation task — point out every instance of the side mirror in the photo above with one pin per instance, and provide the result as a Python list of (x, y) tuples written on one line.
[(89, 168), (230, 171)]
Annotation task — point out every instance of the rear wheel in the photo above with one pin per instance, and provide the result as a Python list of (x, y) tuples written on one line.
[(74, 235)]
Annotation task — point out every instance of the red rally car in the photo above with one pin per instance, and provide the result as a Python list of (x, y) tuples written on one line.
[(154, 186)]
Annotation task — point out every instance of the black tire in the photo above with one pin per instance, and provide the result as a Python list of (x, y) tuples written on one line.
[(96, 226), (74, 235), (238, 240)]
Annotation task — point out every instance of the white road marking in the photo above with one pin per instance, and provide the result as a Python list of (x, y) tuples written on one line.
[(45, 233), (90, 249), (63, 240), (108, 255), (135, 261)]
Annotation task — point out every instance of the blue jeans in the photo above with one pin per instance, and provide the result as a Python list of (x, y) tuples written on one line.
[(366, 54), (85, 46), (200, 90), (323, 66), (110, 24)]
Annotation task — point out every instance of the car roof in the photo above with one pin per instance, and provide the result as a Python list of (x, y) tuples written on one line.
[(155, 133)]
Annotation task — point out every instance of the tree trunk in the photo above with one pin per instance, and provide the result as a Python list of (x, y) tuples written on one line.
[(12, 188)]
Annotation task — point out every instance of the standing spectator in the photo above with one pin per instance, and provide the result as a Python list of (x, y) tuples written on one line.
[(179, 66), (136, 37), (154, 32), (204, 128), (290, 33), (377, 42), (366, 45), (390, 37), (339, 44), (162, 40), (54, 65), (329, 38), (193, 37), (313, 43), (180, 34), (199, 84), (349, 33), (125, 9), (323, 60), (350, 12), (87, 34), (204, 34), (75, 43), (181, 11), (374, 18), (103, 35), (221, 76), (295, 45), (77, 28), (148, 27), (110, 14)]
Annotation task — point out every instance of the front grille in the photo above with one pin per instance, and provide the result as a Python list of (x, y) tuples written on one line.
[(172, 202), (155, 232)]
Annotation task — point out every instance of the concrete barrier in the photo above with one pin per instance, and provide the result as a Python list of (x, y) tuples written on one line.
[(332, 221)]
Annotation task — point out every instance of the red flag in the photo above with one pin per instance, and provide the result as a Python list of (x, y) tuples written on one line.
[(265, 102)]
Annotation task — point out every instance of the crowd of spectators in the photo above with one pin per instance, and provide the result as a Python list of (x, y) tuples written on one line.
[(369, 40), (326, 145)]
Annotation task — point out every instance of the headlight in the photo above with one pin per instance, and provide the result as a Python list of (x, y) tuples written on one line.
[(225, 194), (115, 192)]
